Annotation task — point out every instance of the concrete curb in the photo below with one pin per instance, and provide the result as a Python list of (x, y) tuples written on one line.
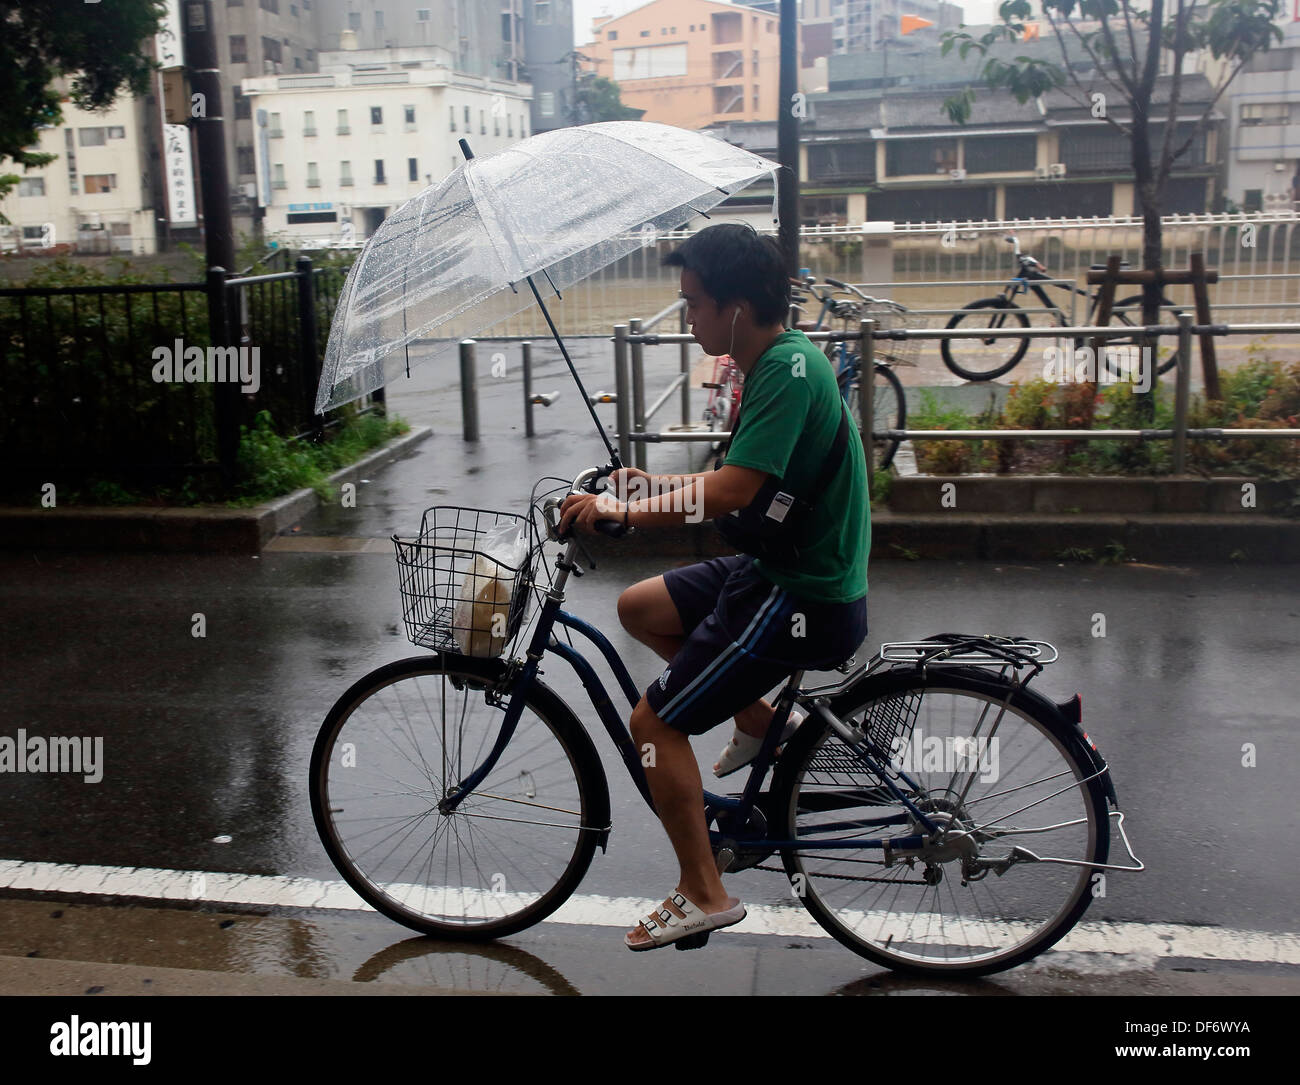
[(202, 530)]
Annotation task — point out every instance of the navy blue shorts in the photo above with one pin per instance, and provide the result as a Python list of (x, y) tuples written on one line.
[(744, 636)]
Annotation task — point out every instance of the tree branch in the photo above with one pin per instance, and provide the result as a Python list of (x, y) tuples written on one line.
[(1127, 88), (1065, 61), (1166, 162)]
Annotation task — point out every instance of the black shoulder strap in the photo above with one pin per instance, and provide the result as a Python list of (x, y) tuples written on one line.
[(833, 458)]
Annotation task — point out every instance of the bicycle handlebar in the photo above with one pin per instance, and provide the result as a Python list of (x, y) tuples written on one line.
[(586, 482)]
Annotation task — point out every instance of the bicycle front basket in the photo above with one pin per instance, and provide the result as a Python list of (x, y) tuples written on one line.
[(457, 595)]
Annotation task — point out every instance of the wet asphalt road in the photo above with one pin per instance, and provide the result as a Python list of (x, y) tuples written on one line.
[(209, 738)]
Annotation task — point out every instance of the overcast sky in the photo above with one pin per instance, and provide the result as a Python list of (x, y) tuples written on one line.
[(583, 11)]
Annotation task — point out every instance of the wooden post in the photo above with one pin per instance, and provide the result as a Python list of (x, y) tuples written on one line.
[(1209, 362)]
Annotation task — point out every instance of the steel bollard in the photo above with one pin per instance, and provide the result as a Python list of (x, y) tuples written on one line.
[(622, 416), (686, 368), (1182, 390), (867, 394), (528, 388), (468, 390), (638, 391)]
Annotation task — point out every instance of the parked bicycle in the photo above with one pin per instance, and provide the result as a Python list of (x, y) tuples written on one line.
[(463, 797), (889, 408), (722, 410), (985, 359)]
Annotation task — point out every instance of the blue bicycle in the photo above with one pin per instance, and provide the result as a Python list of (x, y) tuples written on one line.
[(933, 813)]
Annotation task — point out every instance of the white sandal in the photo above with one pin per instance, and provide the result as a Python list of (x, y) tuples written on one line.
[(690, 930), (743, 748)]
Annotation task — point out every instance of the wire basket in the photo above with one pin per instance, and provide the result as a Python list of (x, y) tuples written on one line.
[(889, 721), (456, 596), (890, 316)]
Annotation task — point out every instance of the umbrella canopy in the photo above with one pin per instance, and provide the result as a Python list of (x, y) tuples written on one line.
[(565, 203)]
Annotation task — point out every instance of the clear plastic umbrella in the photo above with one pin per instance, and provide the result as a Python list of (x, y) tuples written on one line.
[(562, 204)]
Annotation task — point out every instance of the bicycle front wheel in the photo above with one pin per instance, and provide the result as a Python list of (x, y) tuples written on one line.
[(888, 409), (398, 742), (1122, 354), (985, 359), (992, 780)]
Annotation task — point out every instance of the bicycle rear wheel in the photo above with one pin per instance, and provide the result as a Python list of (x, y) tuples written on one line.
[(888, 408), (1115, 361), (396, 744), (960, 904)]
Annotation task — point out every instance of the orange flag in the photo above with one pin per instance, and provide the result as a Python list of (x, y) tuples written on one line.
[(1031, 32), (908, 23)]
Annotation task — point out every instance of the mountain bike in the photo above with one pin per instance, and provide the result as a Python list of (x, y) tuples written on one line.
[(985, 359), (933, 813)]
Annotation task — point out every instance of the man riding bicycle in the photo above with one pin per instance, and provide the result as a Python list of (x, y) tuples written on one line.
[(733, 628)]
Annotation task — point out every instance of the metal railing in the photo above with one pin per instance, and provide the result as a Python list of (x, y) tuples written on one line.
[(868, 335)]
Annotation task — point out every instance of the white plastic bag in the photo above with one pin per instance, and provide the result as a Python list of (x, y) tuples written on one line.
[(483, 604)]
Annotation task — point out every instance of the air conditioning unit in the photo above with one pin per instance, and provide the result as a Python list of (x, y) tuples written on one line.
[(1057, 169), (1042, 172), (957, 175)]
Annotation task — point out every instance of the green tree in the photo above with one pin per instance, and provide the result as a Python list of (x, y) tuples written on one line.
[(99, 47), (1111, 53), (599, 99)]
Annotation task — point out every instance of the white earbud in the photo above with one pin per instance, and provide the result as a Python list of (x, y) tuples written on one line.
[(734, 317)]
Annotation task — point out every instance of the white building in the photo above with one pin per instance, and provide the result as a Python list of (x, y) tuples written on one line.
[(338, 151), (95, 196), (1263, 107)]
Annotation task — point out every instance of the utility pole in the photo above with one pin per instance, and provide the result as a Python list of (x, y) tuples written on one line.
[(787, 137), (575, 58), (218, 230)]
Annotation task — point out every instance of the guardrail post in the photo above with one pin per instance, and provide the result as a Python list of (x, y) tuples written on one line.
[(686, 368), (225, 394), (638, 391), (468, 390), (1181, 390), (867, 393), (528, 388), (310, 374), (621, 413)]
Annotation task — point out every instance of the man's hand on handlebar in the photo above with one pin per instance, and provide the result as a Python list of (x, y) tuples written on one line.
[(584, 510)]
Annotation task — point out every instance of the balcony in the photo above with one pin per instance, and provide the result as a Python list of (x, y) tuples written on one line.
[(346, 182), (309, 131), (313, 182), (275, 133), (343, 130), (279, 184)]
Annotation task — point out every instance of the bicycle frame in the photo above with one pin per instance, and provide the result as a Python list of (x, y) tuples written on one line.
[(739, 808)]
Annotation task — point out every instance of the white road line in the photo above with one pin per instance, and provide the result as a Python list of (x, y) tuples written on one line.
[(1144, 940)]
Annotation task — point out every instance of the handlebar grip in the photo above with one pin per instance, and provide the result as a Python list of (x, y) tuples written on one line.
[(613, 528), (836, 282)]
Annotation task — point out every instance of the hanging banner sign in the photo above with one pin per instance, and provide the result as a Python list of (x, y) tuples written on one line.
[(178, 163)]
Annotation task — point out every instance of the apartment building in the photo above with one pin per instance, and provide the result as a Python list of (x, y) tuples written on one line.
[(339, 150), (96, 196), (691, 63), (1263, 107)]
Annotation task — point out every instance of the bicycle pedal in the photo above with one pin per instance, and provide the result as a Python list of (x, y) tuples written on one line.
[(693, 941)]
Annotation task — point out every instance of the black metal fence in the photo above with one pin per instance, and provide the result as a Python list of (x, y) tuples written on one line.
[(128, 382)]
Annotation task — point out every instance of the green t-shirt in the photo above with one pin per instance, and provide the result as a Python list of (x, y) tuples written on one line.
[(790, 410)]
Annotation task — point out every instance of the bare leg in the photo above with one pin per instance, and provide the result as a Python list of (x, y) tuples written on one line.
[(678, 793)]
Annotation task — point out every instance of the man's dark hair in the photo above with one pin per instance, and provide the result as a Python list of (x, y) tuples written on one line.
[(734, 263)]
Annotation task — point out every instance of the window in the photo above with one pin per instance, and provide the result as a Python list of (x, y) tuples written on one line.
[(421, 15), (31, 186), (116, 131), (270, 5), (243, 107), (234, 3), (313, 178), (408, 112), (1262, 113), (345, 174), (354, 20), (97, 183), (496, 125), (271, 50), (1253, 200), (412, 170), (542, 12), (482, 123), (1000, 154), (453, 117), (510, 127), (546, 103), (311, 56), (1270, 60), (612, 35), (523, 128), (33, 233), (912, 156), (309, 122), (91, 137), (244, 160), (645, 33), (344, 128), (842, 161), (376, 114), (467, 118), (238, 49), (297, 64), (379, 20), (276, 131), (277, 176), (379, 172), (293, 10)]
